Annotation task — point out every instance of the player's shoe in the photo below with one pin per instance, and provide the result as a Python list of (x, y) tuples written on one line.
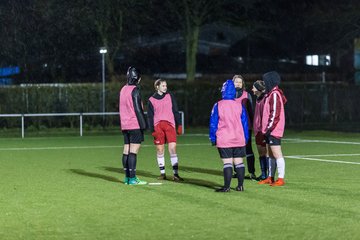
[(126, 180), (239, 188), (177, 178), (261, 177), (251, 176), (136, 181), (279, 182), (162, 176), (235, 175), (222, 189), (268, 180)]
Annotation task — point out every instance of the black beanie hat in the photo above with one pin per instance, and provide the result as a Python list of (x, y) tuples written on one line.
[(271, 79), (133, 76), (259, 85)]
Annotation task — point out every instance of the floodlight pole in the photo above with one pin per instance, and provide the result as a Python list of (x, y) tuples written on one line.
[(103, 51)]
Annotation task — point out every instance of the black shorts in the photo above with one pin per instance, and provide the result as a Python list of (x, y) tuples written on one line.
[(273, 141), (133, 136), (234, 152)]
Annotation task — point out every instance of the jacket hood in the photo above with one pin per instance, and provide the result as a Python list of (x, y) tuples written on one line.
[(228, 90), (271, 79)]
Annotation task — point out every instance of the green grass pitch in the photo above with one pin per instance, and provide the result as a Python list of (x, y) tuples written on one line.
[(71, 188)]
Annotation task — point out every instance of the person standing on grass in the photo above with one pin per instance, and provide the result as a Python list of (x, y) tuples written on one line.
[(259, 91), (273, 125), (244, 98), (164, 120), (229, 132), (133, 124)]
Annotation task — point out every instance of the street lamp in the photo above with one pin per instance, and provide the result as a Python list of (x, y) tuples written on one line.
[(103, 51)]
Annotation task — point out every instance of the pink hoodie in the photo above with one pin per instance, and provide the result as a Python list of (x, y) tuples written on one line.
[(273, 118)]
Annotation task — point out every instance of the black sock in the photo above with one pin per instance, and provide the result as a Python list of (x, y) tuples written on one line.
[(227, 174), (175, 169), (251, 163), (132, 165), (125, 164), (250, 159), (273, 167), (263, 165), (240, 172)]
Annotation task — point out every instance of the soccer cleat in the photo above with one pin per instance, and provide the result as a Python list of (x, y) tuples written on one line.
[(136, 181), (126, 180), (279, 182), (223, 189), (239, 188), (251, 176), (162, 176), (234, 176), (268, 180), (261, 177), (177, 178)]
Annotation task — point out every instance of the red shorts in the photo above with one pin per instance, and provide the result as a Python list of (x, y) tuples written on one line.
[(164, 133), (260, 139)]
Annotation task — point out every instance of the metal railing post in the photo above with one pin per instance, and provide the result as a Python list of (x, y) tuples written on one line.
[(81, 121), (22, 126)]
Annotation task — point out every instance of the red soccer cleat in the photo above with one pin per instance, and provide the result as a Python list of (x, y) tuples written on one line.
[(279, 182), (268, 180)]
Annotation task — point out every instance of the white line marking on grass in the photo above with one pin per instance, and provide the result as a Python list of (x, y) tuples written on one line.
[(297, 140), (321, 160), (87, 147), (329, 155)]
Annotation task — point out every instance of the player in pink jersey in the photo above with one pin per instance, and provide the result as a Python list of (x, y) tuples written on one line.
[(243, 97), (229, 132), (273, 125), (259, 91), (164, 118), (133, 123)]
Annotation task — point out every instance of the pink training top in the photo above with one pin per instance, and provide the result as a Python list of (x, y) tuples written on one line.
[(273, 118), (258, 115), (230, 132), (243, 98), (163, 110), (128, 117)]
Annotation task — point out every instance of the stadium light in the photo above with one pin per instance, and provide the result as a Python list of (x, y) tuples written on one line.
[(103, 51)]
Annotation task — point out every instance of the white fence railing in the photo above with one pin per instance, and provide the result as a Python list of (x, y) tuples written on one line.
[(23, 116)]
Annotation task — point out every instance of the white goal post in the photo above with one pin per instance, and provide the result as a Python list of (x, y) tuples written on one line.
[(23, 116)]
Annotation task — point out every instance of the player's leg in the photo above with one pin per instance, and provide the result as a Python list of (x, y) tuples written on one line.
[(271, 165), (159, 141), (227, 159), (263, 159), (160, 156), (136, 138), (170, 135), (275, 147), (125, 156), (239, 154), (250, 159)]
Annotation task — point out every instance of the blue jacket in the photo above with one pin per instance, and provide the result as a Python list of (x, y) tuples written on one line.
[(228, 93)]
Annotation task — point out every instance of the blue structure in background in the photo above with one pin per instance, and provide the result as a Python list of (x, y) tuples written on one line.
[(5, 74)]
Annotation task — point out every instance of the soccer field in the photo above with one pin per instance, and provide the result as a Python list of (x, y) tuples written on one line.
[(71, 188)]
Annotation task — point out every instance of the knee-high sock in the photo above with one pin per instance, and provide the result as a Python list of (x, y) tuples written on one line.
[(125, 164), (281, 167), (250, 159), (132, 165), (227, 174), (272, 167), (263, 165), (240, 172), (161, 163), (174, 163)]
